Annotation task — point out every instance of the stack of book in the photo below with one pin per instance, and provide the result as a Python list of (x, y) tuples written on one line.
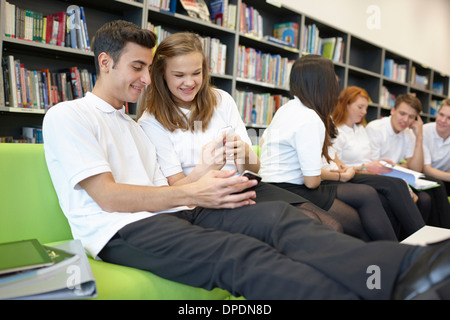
[(29, 270)]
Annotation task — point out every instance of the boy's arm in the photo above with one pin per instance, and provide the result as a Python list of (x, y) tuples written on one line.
[(436, 173), (416, 161), (217, 189)]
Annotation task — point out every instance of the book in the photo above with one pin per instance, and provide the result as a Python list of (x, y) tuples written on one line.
[(196, 9), (12, 81), (286, 31), (278, 41), (427, 235), (328, 46), (218, 11), (75, 78), (22, 255), (76, 37), (85, 31), (231, 16), (413, 178), (69, 277)]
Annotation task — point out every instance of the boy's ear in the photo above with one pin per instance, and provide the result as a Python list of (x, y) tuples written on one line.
[(104, 62)]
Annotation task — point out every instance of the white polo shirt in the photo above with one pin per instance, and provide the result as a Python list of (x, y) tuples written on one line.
[(85, 137), (436, 150), (385, 143), (292, 144), (180, 151), (352, 145)]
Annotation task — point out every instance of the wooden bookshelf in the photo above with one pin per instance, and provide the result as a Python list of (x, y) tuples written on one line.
[(360, 62)]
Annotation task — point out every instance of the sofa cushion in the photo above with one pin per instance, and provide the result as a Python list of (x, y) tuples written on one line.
[(29, 203), (120, 282), (30, 209)]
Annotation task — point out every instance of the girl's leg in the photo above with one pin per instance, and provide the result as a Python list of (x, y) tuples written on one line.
[(365, 200)]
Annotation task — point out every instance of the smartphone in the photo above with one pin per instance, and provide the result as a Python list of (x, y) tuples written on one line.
[(251, 175), (386, 164)]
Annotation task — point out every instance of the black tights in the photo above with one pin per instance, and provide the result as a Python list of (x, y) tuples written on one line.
[(360, 212), (320, 215)]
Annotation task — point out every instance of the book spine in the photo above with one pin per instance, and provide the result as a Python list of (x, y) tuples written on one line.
[(12, 81)]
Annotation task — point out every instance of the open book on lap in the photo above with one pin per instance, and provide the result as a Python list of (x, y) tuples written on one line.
[(414, 178)]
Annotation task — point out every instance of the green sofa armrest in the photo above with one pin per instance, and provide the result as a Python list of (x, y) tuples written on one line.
[(30, 209)]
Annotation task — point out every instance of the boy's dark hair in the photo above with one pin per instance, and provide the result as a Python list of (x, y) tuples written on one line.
[(113, 36), (410, 100)]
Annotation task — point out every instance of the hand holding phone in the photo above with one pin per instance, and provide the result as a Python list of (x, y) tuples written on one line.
[(251, 175)]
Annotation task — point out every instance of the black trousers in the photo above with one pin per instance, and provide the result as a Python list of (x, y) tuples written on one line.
[(264, 251), (440, 206), (396, 199)]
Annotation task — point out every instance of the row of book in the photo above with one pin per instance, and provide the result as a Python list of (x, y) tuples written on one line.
[(30, 134), (215, 51), (387, 99), (330, 47), (67, 28), (251, 21), (160, 32), (166, 5), (395, 71), (254, 65), (216, 54), (258, 108), (41, 89)]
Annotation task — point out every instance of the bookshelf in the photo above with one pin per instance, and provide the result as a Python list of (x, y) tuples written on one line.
[(249, 42)]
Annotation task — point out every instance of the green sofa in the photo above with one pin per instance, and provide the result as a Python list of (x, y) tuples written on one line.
[(30, 209)]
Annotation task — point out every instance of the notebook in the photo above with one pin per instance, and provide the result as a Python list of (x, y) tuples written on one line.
[(23, 255)]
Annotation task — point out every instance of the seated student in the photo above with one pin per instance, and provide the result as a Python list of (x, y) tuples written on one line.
[(400, 137), (119, 205), (184, 115), (352, 147), (297, 138), (436, 144)]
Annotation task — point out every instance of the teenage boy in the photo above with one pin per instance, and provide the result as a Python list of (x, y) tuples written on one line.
[(118, 203), (400, 137), (436, 142)]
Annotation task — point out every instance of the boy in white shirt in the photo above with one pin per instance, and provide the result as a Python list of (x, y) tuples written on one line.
[(436, 142), (400, 137)]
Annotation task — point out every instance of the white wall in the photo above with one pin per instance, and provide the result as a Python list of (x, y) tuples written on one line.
[(416, 29)]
